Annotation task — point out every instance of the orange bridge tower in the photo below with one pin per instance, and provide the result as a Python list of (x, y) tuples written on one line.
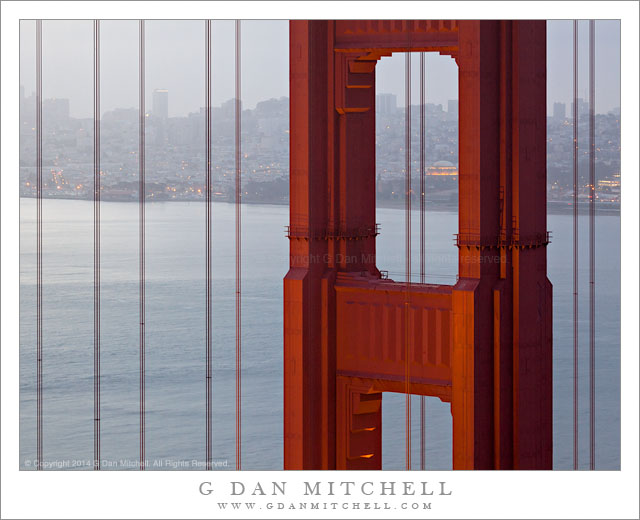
[(483, 344)]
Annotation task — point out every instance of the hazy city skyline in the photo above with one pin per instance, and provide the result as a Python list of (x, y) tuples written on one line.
[(67, 64)]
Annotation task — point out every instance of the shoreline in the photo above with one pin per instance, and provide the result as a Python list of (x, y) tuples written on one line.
[(553, 207)]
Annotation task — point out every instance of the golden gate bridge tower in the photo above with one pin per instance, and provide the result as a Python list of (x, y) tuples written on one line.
[(484, 345)]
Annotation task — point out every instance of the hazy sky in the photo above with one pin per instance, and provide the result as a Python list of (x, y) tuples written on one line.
[(175, 61)]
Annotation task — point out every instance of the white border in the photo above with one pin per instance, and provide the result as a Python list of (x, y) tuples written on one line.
[(162, 494)]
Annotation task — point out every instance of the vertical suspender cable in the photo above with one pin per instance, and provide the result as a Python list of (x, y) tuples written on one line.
[(39, 243), (575, 244), (208, 245), (96, 244), (422, 170), (592, 243), (238, 253), (141, 208), (407, 306), (422, 237)]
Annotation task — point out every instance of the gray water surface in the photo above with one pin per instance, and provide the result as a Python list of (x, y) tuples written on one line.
[(175, 325)]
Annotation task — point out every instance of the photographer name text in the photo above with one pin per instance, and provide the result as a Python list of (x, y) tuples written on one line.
[(327, 488)]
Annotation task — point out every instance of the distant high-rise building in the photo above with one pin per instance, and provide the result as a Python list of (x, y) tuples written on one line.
[(386, 103), (583, 107), (452, 110), (56, 109), (21, 105), (559, 111), (452, 107), (229, 108), (161, 103)]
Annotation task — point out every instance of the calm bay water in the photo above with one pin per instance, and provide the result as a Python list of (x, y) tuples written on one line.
[(175, 318)]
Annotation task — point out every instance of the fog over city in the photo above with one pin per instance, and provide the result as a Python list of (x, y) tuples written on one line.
[(175, 123), (175, 61)]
